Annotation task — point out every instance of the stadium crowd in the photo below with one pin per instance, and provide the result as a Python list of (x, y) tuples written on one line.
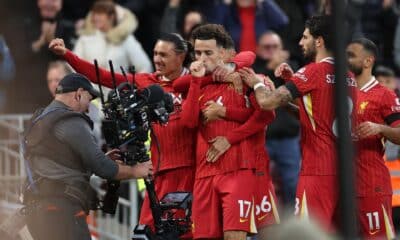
[(252, 82)]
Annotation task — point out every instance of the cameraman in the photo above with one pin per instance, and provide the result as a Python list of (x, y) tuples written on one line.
[(61, 155), (174, 162)]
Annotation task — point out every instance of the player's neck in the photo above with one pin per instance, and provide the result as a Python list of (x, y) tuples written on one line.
[(321, 54), (175, 74), (363, 78)]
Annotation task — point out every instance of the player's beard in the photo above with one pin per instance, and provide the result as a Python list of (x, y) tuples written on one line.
[(356, 70), (310, 53)]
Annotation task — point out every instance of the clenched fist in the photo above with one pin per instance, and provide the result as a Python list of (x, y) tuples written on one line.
[(197, 69), (57, 46)]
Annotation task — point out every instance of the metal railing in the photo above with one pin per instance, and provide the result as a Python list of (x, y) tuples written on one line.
[(12, 176)]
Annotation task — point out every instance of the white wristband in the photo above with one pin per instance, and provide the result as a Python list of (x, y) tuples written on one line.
[(258, 85)]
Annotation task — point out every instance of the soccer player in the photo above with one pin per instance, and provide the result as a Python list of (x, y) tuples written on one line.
[(266, 209), (378, 119), (317, 194), (224, 185)]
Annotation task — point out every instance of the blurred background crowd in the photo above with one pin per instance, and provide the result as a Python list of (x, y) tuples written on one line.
[(271, 28), (125, 32)]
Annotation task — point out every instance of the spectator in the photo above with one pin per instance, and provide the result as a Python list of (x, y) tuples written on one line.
[(169, 22), (126, 24), (246, 20), (149, 12), (297, 12), (283, 133), (377, 15), (53, 25), (386, 77), (22, 25), (55, 72), (98, 46)]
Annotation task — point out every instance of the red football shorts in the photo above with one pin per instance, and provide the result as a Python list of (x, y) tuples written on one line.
[(179, 179), (317, 197), (375, 217), (224, 203), (265, 199)]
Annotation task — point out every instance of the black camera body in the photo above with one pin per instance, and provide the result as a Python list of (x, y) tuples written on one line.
[(129, 114)]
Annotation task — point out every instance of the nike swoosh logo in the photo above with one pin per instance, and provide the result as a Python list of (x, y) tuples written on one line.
[(243, 220), (262, 217), (374, 232)]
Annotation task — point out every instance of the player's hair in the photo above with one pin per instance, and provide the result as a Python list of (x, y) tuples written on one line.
[(212, 31), (383, 71), (368, 46), (60, 64), (320, 26), (181, 45), (230, 44)]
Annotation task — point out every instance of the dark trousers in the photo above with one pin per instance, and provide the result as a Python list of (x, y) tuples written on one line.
[(58, 218), (396, 219)]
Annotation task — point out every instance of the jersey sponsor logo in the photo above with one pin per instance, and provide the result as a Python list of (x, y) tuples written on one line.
[(397, 101), (242, 220)]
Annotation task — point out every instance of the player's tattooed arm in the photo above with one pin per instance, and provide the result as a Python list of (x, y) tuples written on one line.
[(271, 99)]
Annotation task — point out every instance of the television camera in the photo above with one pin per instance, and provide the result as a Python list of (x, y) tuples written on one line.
[(129, 113)]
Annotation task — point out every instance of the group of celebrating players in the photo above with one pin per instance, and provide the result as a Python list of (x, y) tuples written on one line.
[(214, 143)]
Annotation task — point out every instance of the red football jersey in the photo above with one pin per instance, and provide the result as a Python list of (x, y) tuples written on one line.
[(376, 104), (315, 86), (236, 157), (175, 134), (231, 160)]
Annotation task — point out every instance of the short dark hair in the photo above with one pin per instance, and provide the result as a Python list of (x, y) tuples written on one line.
[(181, 45), (368, 45), (212, 31), (383, 71), (319, 26)]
